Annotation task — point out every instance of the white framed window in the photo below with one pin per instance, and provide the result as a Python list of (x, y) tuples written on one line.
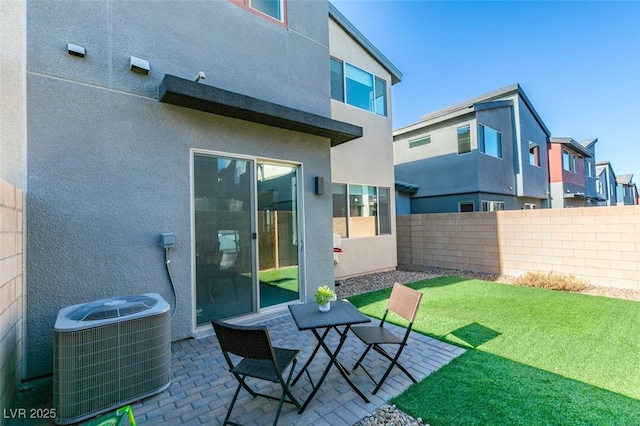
[(466, 206), (492, 206), (273, 9), (534, 154), (464, 139), (529, 206), (489, 141), (568, 161), (425, 140), (361, 210), (357, 87)]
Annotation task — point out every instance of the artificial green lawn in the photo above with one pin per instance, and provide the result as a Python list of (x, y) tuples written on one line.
[(536, 357)]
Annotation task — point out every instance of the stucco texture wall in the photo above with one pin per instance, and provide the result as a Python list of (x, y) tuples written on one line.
[(11, 318), (109, 173), (429, 166), (601, 245), (109, 166), (365, 161), (13, 123)]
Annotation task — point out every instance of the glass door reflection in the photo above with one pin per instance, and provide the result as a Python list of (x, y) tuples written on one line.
[(223, 237), (278, 239)]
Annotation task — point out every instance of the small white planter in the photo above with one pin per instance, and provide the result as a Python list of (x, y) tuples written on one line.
[(325, 308)]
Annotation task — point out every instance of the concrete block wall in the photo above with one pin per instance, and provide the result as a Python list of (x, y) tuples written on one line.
[(601, 245), (10, 292)]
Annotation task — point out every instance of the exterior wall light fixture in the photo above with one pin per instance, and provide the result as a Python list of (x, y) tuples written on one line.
[(139, 66), (76, 50)]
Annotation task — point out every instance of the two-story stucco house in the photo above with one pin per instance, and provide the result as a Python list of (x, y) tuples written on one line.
[(213, 121), (484, 154), (572, 173)]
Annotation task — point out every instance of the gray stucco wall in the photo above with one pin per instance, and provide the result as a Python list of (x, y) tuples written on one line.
[(437, 168), (238, 50), (109, 166), (13, 123), (374, 164), (497, 175), (450, 203), (534, 180)]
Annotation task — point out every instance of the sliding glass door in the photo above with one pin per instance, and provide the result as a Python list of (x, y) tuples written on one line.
[(278, 242), (223, 237), (246, 246)]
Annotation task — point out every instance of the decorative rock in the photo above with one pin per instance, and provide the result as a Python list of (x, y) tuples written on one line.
[(389, 415)]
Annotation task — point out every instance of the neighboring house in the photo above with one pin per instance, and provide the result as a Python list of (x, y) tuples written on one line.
[(627, 192), (362, 171), (487, 153), (572, 173), (606, 185), (123, 140)]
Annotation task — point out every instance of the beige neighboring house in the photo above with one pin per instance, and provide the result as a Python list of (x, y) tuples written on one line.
[(362, 171)]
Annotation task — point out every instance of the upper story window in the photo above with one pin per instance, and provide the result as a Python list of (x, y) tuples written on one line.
[(358, 87), (489, 141), (425, 140), (568, 161), (589, 169), (337, 80), (492, 206), (465, 206), (534, 154), (272, 8), (464, 139)]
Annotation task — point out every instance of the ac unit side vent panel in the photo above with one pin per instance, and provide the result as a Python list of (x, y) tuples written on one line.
[(97, 369)]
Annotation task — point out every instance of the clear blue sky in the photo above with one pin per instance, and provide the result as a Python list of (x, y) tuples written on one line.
[(577, 61)]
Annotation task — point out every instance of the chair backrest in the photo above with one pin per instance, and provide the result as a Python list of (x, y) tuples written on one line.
[(244, 341), (404, 301)]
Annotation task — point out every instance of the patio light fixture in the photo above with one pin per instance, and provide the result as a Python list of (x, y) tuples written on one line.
[(76, 50), (140, 66)]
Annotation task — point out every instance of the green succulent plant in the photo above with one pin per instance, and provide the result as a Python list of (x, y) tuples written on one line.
[(324, 295)]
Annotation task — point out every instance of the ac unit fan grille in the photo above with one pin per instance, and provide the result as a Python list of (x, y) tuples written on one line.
[(115, 307)]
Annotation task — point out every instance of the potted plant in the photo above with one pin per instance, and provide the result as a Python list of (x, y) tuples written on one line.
[(324, 297)]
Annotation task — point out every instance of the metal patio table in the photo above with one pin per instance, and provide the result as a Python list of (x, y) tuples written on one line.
[(308, 317)]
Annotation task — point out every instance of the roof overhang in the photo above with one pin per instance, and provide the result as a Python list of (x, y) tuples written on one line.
[(582, 196), (571, 144), (489, 100), (190, 94), (349, 28), (406, 187)]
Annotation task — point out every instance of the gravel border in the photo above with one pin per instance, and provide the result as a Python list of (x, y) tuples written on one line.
[(406, 274), (389, 415)]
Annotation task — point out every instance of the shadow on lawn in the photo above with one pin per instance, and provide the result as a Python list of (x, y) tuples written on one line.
[(479, 388), (474, 334), (383, 294)]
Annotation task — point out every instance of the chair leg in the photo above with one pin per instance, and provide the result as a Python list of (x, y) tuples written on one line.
[(394, 363), (233, 402), (286, 392), (363, 356)]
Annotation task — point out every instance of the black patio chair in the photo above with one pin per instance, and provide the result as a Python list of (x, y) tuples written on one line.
[(404, 301), (259, 359)]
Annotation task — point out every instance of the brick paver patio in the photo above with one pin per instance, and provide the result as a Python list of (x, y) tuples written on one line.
[(202, 388)]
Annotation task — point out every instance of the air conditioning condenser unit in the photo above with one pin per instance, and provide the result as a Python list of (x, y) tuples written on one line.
[(109, 353)]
